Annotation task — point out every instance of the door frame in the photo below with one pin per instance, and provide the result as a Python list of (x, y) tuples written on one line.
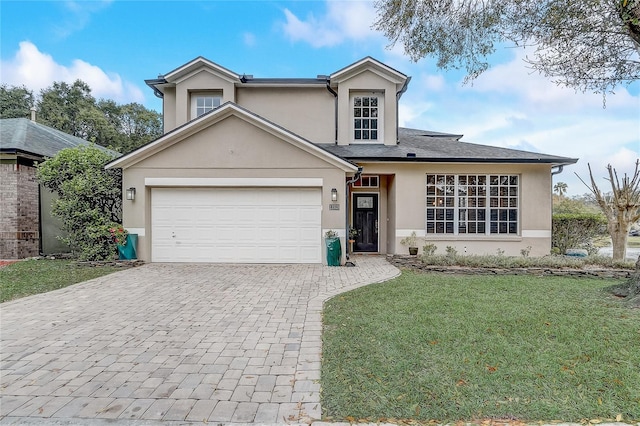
[(353, 214)]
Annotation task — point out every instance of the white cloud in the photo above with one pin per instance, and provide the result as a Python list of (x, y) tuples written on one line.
[(80, 13), (37, 70), (344, 20)]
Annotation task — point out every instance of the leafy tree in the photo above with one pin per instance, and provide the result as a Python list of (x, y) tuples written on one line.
[(90, 198), (68, 108), (135, 124), (621, 206), (15, 102), (590, 45)]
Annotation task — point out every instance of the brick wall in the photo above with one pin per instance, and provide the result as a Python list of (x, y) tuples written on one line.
[(19, 212)]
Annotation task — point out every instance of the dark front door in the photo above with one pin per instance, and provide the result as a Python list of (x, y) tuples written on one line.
[(365, 220)]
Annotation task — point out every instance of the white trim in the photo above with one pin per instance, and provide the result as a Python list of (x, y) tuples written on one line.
[(403, 233), (139, 231), (235, 182), (536, 233), (380, 96)]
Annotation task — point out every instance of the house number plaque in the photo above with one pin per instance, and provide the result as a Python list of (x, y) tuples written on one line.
[(334, 206)]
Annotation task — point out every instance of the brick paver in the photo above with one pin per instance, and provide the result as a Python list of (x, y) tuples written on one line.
[(180, 342)]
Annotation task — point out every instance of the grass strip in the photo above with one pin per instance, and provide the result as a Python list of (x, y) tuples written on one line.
[(33, 276)]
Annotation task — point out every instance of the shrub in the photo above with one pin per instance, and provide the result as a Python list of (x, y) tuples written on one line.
[(90, 199), (576, 231)]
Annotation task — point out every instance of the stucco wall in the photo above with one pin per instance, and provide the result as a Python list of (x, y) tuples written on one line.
[(308, 112), (230, 149), (365, 82), (407, 191)]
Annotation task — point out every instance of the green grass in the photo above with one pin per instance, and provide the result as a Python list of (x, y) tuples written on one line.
[(452, 348), (29, 277)]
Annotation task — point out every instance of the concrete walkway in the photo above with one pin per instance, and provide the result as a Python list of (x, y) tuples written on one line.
[(183, 342)]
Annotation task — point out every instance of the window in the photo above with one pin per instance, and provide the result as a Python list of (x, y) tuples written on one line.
[(201, 103), (367, 181), (472, 204), (367, 117)]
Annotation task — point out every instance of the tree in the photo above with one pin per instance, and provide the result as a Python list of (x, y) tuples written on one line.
[(68, 108), (560, 188), (15, 102), (590, 45), (90, 198), (621, 206), (135, 124)]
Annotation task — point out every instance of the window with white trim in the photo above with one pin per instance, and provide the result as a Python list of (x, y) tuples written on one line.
[(472, 204), (203, 102), (367, 181), (367, 116)]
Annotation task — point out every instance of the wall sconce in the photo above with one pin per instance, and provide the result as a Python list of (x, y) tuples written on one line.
[(334, 194), (131, 194)]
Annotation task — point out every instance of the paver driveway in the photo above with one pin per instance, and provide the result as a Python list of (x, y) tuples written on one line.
[(216, 343)]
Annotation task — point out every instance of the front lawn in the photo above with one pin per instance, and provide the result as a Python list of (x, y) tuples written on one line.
[(452, 348), (29, 277)]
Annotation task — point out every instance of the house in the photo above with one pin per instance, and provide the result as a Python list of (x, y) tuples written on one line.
[(257, 170), (27, 228)]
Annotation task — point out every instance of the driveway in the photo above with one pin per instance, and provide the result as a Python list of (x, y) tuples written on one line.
[(214, 343)]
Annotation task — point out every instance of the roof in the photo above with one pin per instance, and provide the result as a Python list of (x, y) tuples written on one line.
[(26, 136), (214, 116), (425, 146)]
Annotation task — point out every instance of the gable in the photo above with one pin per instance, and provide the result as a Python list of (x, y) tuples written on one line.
[(371, 65), (232, 137), (233, 143), (197, 65)]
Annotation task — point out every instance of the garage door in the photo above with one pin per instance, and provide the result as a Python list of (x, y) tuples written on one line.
[(236, 225)]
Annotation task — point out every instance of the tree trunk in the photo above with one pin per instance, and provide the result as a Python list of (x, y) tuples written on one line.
[(629, 290), (619, 240)]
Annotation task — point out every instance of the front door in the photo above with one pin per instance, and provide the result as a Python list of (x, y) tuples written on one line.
[(365, 220)]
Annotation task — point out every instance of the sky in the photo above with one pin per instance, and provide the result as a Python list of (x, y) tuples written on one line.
[(115, 45)]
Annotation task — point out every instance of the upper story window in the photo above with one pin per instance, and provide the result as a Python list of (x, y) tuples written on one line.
[(367, 116), (203, 102)]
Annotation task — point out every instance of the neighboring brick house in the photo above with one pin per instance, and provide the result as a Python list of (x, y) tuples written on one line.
[(26, 226)]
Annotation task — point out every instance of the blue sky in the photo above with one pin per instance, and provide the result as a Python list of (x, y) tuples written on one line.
[(115, 45)]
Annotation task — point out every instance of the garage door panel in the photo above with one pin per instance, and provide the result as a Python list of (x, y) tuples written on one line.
[(266, 225)]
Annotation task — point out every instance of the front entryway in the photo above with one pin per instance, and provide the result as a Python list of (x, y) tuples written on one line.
[(365, 221)]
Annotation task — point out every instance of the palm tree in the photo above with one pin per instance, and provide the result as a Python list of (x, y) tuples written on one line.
[(560, 188)]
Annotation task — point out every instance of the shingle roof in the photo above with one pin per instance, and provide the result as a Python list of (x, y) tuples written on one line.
[(425, 146), (24, 135)]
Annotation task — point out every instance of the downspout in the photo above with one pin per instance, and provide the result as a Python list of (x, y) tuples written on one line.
[(398, 95), (557, 172), (335, 118), (346, 211)]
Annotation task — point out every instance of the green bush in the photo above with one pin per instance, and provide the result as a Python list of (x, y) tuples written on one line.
[(90, 199), (576, 231)]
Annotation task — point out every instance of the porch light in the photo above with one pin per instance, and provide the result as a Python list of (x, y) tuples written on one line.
[(131, 194), (334, 194)]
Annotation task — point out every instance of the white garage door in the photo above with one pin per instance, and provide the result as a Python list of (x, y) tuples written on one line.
[(236, 225)]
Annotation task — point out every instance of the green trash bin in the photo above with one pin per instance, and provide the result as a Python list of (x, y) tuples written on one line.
[(128, 251), (334, 251)]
